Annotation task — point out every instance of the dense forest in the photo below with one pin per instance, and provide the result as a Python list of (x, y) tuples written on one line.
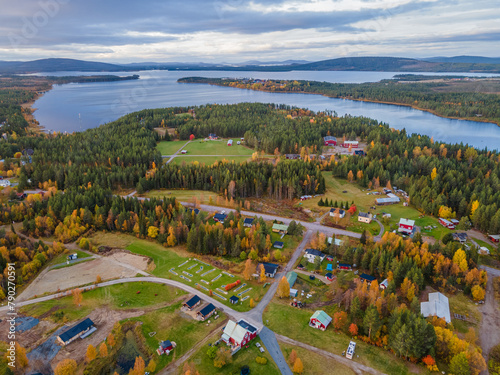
[(471, 105)]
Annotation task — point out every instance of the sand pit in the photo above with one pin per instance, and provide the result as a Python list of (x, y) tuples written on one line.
[(85, 273)]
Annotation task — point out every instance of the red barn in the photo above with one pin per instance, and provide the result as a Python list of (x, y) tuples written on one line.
[(406, 226), (330, 141), (320, 320), (237, 335), (446, 223), (165, 347)]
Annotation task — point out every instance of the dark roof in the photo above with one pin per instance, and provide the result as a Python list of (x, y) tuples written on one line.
[(166, 344), (193, 301), (234, 298), (248, 220), (270, 267), (76, 329), (315, 252), (247, 326), (367, 277), (207, 309), (329, 275), (196, 211), (461, 236), (278, 244), (220, 216), (339, 210), (363, 214), (344, 265)]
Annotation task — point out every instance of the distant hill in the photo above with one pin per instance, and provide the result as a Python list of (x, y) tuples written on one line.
[(465, 59), (381, 64), (54, 65)]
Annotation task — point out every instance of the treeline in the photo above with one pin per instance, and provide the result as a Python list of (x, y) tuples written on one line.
[(415, 94), (68, 216), (285, 180)]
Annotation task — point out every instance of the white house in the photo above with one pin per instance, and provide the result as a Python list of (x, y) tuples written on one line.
[(337, 212), (438, 305), (4, 183), (311, 255), (365, 217)]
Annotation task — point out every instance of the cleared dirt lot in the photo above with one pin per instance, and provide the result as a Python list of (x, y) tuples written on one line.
[(85, 273)]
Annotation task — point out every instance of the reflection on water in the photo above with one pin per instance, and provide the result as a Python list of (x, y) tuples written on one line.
[(76, 107)]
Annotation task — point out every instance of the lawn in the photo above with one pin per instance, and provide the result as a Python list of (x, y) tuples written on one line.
[(297, 328), (169, 323), (290, 243), (356, 226), (217, 148), (62, 258), (120, 296), (463, 305), (204, 365), (196, 273), (182, 195), (170, 147), (209, 160), (315, 364)]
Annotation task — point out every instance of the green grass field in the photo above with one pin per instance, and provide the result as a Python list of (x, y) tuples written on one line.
[(169, 264), (170, 147), (315, 364), (297, 328), (62, 258), (182, 195), (120, 296), (209, 160), (170, 323), (246, 356), (217, 148), (290, 243)]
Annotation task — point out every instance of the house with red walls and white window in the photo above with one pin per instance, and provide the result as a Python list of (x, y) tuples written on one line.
[(237, 335)]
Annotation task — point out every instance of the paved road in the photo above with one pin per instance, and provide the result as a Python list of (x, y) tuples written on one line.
[(381, 233), (268, 337), (357, 367), (489, 331)]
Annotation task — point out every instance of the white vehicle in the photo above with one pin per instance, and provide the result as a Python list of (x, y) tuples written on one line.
[(261, 349), (350, 350), (257, 345)]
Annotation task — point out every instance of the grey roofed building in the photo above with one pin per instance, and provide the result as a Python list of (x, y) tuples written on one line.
[(438, 305)]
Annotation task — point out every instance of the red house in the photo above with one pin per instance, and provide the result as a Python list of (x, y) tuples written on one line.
[(352, 144), (446, 223), (406, 226), (494, 237), (237, 335), (344, 267), (330, 141), (320, 320), (165, 347)]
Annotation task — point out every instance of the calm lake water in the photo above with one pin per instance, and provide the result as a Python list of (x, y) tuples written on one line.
[(76, 107)]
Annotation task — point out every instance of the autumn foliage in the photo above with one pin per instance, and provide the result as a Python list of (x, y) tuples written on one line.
[(232, 285)]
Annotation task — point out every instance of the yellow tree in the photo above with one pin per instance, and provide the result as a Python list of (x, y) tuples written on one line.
[(433, 173), (249, 269), (262, 272), (151, 366), (350, 176), (77, 296), (171, 240), (460, 259), (477, 293), (359, 175), (111, 340), (153, 232), (21, 358), (298, 367), (283, 288), (66, 367), (293, 357), (473, 208), (91, 353), (139, 367), (103, 350)]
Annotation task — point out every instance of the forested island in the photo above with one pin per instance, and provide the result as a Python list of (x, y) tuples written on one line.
[(456, 97)]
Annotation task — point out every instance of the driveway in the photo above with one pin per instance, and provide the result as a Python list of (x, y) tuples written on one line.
[(268, 337), (489, 331)]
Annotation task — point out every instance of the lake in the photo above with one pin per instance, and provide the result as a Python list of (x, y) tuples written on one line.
[(76, 107)]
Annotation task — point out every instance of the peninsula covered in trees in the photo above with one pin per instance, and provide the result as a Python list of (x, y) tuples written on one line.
[(455, 97)]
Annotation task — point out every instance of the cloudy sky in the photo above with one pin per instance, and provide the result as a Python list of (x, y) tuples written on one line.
[(240, 30)]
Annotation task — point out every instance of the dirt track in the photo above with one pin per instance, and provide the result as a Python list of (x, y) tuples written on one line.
[(489, 332), (85, 273)]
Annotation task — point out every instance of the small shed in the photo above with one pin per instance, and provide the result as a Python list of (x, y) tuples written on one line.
[(278, 244), (192, 303), (206, 312), (234, 300), (329, 267), (293, 292), (320, 320)]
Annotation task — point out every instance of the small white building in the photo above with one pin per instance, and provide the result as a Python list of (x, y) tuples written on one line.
[(4, 183), (438, 305)]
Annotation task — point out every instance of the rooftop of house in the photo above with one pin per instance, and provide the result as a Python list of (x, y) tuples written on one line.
[(207, 309), (438, 305), (193, 301), (322, 316), (367, 277), (248, 220), (315, 252), (76, 329), (408, 222), (364, 214)]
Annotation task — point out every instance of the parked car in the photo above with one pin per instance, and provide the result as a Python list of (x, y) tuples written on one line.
[(261, 349), (258, 345)]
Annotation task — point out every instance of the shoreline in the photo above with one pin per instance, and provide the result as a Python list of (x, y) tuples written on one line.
[(474, 119), (28, 113)]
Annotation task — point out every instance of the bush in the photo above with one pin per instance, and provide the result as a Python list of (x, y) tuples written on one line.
[(261, 360), (84, 243), (212, 352)]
